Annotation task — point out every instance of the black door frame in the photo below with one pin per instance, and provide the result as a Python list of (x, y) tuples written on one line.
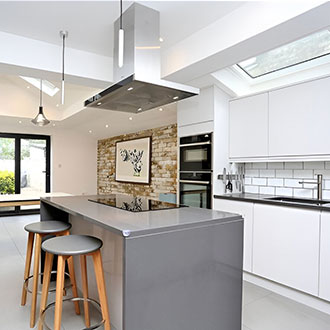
[(18, 137)]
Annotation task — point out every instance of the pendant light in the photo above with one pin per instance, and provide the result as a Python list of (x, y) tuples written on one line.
[(40, 119), (121, 38), (63, 35)]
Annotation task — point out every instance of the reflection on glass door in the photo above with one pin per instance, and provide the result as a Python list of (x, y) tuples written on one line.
[(33, 166)]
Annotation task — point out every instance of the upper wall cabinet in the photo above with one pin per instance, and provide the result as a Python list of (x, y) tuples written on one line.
[(248, 127), (299, 119)]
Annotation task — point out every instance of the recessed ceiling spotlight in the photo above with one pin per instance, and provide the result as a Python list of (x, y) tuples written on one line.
[(106, 126), (20, 122), (161, 39), (139, 109), (99, 103), (130, 118), (27, 87), (160, 109), (175, 97), (57, 105), (54, 125), (130, 88), (90, 131)]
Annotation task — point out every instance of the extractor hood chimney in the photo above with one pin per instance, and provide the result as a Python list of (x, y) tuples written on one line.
[(138, 85)]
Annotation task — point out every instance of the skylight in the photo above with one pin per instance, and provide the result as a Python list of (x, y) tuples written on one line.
[(300, 51), (47, 86)]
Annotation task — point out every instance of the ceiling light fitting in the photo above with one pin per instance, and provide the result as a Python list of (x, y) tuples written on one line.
[(40, 119), (121, 38), (63, 35)]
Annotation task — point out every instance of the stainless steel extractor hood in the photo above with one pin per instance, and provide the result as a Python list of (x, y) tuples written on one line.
[(138, 85)]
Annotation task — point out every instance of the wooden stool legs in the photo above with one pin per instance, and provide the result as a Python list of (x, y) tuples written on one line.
[(99, 274), (84, 280), (37, 251), (27, 266)]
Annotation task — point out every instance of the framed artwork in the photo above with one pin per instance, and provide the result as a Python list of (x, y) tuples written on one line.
[(133, 158)]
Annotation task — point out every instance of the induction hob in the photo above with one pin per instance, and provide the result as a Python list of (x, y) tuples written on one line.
[(134, 203)]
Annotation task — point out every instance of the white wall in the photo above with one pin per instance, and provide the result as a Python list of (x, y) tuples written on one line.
[(73, 158)]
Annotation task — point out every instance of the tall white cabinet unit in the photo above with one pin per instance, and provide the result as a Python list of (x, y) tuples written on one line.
[(299, 118), (248, 126), (246, 210), (286, 246)]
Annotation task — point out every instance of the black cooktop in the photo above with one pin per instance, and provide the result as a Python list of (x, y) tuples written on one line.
[(133, 203)]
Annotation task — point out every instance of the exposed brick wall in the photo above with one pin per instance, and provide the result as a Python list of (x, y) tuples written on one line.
[(163, 163)]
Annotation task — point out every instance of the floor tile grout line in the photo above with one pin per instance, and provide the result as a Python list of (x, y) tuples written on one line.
[(251, 302)]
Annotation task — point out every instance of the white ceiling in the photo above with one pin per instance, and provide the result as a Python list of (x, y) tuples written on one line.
[(90, 23)]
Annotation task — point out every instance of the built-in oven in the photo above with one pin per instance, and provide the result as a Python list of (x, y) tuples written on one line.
[(196, 189), (196, 153)]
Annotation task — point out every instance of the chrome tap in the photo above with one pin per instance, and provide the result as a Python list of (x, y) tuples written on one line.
[(318, 182)]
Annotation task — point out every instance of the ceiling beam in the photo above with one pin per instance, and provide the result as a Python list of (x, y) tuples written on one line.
[(249, 30)]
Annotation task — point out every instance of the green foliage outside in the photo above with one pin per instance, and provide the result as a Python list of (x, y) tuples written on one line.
[(7, 182)]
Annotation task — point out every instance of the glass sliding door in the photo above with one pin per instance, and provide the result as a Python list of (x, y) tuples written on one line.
[(24, 167)]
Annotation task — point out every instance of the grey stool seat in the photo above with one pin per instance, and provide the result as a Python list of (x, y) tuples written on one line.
[(72, 245), (47, 227)]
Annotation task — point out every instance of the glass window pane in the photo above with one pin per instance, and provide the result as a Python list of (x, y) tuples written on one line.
[(33, 166), (297, 52), (7, 166)]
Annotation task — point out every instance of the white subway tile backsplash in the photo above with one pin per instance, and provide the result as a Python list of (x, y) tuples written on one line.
[(267, 190), (259, 165), (306, 193), (326, 194), (282, 179), (293, 166), (252, 173), (314, 165), (252, 189), (248, 180), (284, 173), (303, 174), (292, 183), (325, 173), (275, 166), (284, 192), (259, 181), (267, 173), (275, 182), (326, 184)]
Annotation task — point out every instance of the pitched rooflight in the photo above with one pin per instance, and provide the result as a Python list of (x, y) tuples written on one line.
[(47, 87)]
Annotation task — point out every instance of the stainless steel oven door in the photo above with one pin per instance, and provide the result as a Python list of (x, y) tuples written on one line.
[(195, 193)]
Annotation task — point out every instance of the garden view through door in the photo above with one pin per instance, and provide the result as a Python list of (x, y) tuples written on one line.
[(33, 166), (7, 166)]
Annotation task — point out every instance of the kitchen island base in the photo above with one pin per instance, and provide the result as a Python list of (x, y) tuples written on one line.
[(177, 279)]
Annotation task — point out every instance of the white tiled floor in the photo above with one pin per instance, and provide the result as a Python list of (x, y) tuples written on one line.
[(262, 309)]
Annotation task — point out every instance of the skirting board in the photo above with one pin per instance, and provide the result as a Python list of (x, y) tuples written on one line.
[(298, 296)]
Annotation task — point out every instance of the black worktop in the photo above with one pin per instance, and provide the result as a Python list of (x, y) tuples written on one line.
[(264, 199)]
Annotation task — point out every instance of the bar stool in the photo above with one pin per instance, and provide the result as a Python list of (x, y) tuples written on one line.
[(39, 230), (65, 248)]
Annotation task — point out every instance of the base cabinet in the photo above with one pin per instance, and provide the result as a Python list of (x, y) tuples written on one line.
[(325, 256), (246, 210), (286, 246)]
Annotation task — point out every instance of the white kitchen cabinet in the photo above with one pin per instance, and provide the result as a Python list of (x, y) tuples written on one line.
[(299, 118), (246, 210), (248, 127), (286, 246), (325, 256)]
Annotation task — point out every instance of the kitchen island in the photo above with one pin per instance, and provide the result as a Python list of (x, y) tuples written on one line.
[(166, 267)]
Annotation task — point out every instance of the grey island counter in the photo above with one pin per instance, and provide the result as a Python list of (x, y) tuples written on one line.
[(166, 267)]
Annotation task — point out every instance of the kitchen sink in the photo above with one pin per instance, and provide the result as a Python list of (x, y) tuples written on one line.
[(298, 200)]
